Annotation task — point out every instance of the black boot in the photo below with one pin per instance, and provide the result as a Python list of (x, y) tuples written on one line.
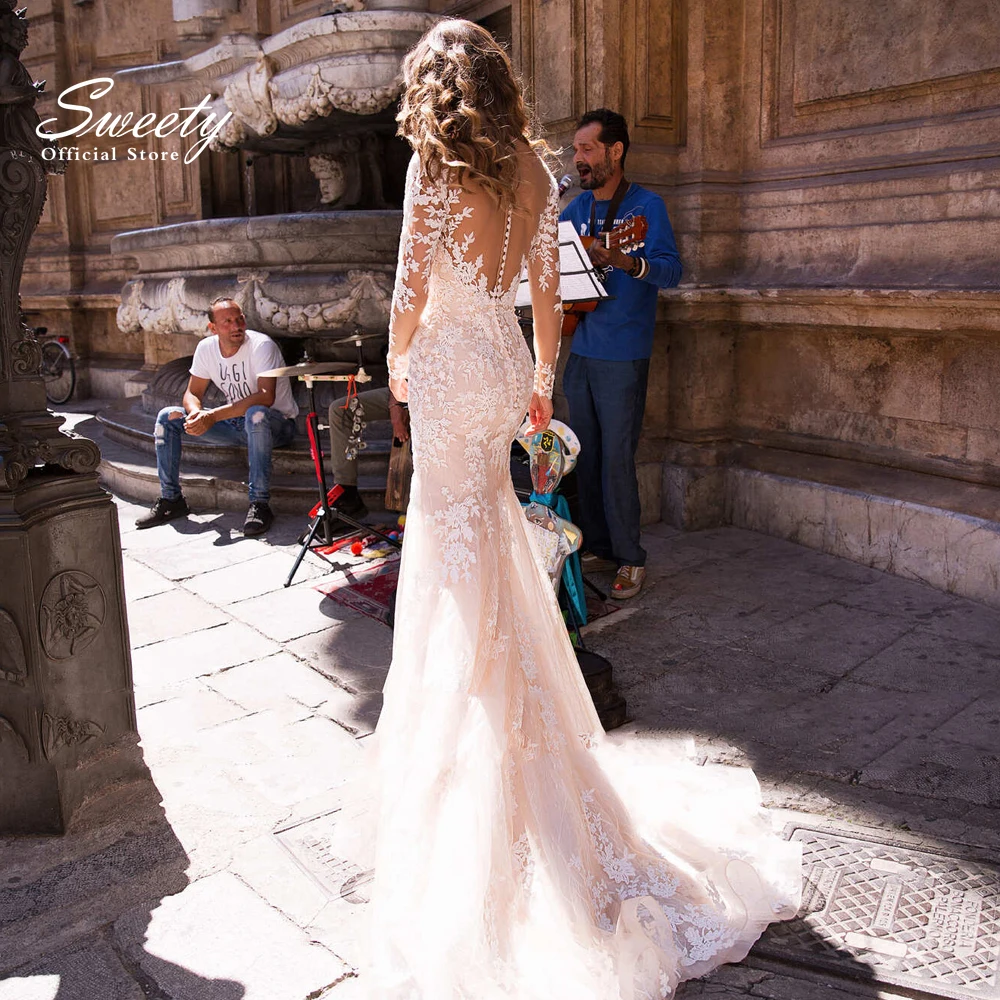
[(350, 503)]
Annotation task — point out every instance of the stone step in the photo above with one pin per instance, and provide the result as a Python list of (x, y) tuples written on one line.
[(131, 473), (125, 422), (942, 531)]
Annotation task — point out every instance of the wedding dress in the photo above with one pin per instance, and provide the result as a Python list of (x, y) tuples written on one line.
[(520, 854)]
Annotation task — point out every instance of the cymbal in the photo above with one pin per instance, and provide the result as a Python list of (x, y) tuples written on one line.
[(313, 368), (352, 337)]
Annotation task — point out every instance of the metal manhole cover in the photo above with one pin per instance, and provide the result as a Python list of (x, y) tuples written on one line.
[(878, 910), (312, 845)]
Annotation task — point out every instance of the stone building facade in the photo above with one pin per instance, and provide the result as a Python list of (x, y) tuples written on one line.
[(829, 369)]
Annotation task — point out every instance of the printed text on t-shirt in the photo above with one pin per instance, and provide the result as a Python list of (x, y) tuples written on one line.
[(233, 381)]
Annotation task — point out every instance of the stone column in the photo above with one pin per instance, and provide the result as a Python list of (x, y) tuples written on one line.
[(67, 715)]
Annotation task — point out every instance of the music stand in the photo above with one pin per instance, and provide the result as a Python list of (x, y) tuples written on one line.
[(578, 279), (323, 513)]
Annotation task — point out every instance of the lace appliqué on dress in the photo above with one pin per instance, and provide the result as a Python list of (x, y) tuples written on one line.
[(543, 260), (545, 379)]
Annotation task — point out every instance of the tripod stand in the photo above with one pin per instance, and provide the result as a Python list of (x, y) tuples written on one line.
[(323, 513)]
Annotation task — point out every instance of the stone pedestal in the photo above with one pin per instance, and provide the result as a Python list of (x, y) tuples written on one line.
[(67, 715)]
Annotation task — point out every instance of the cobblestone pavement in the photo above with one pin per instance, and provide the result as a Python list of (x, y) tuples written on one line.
[(863, 701)]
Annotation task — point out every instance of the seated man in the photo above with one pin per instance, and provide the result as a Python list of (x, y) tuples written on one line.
[(260, 414), (378, 404)]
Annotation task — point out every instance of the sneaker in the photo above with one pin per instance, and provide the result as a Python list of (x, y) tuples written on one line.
[(350, 503), (628, 582), (259, 519), (162, 511), (593, 563)]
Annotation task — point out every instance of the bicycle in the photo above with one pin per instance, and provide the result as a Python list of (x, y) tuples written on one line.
[(58, 370)]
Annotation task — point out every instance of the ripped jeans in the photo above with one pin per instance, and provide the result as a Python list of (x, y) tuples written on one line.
[(260, 429)]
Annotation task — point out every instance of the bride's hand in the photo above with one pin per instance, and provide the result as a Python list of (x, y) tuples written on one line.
[(400, 389), (539, 412)]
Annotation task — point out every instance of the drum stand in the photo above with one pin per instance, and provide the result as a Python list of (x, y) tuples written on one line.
[(324, 513)]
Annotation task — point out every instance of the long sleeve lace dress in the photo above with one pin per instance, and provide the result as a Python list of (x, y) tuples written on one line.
[(519, 853)]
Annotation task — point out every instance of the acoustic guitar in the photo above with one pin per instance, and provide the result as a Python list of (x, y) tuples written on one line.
[(629, 236)]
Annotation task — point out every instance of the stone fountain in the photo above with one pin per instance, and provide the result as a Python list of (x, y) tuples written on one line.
[(325, 89)]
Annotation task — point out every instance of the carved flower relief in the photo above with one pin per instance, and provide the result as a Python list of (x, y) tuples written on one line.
[(71, 613), (13, 666)]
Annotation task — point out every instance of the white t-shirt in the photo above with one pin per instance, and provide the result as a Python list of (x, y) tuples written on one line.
[(236, 377)]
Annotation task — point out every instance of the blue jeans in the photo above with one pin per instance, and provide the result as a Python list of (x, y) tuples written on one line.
[(260, 429), (606, 402)]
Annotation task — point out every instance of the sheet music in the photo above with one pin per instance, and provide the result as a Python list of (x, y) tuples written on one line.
[(578, 282)]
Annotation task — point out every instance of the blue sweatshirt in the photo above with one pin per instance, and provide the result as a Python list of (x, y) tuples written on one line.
[(621, 328)]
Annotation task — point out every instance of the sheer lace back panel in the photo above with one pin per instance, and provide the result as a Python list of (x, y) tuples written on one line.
[(478, 247), (487, 245)]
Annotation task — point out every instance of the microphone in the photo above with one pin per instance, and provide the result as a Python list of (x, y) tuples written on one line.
[(565, 183)]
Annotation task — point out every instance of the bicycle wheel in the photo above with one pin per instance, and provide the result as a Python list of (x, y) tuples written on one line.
[(58, 372)]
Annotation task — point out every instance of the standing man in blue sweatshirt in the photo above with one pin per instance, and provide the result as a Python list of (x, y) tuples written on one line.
[(608, 367)]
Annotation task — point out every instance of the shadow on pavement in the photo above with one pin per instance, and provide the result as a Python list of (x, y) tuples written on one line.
[(89, 897)]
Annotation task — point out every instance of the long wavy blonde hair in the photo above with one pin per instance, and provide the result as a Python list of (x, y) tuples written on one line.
[(463, 109)]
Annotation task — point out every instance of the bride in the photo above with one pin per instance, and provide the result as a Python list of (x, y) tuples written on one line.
[(520, 853)]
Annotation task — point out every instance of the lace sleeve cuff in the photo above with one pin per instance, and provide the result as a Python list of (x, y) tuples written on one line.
[(398, 365), (545, 379)]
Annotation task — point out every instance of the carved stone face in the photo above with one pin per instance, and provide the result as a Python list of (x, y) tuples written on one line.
[(329, 171), (14, 30)]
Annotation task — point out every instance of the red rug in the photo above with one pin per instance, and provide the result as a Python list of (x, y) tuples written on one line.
[(368, 587)]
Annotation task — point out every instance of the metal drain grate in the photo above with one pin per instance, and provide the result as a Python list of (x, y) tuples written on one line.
[(885, 911), (312, 846)]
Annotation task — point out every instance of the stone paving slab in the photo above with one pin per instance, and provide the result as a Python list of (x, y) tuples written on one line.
[(823, 695), (141, 581), (219, 932), (263, 574), (201, 552), (805, 639), (285, 760), (182, 717), (267, 868), (172, 661), (265, 683), (924, 660), (169, 615), (936, 768), (289, 614), (859, 698), (977, 725), (967, 621), (356, 657), (92, 971), (59, 892), (891, 595), (735, 981)]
